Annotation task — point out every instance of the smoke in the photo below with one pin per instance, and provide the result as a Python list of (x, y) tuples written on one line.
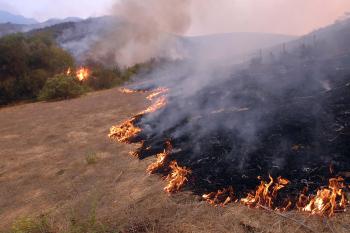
[(274, 114), (144, 29)]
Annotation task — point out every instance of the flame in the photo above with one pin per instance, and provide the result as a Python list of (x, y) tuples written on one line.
[(327, 201), (69, 71), (82, 74), (221, 197), (158, 104), (177, 178), (265, 193), (125, 131), (130, 91), (161, 159), (157, 92)]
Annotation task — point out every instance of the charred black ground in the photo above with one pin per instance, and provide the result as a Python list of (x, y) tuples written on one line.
[(285, 115)]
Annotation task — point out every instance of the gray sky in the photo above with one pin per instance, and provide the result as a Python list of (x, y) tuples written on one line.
[(294, 17)]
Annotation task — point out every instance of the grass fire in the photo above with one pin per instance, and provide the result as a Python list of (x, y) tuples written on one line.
[(325, 202), (152, 116)]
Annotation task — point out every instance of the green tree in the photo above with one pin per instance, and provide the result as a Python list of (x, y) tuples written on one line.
[(26, 62)]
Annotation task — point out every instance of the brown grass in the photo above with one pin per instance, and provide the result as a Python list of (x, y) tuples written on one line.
[(44, 172)]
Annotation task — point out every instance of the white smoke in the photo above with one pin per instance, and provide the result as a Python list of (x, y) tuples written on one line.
[(144, 29)]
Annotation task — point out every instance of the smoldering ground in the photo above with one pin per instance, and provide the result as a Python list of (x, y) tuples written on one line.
[(230, 122), (271, 115)]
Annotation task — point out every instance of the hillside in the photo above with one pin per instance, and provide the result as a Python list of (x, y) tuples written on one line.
[(12, 27), (46, 172), (286, 111), (7, 17), (78, 36)]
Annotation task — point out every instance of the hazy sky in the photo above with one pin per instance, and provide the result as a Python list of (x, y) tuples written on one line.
[(277, 16), (44, 9), (209, 16)]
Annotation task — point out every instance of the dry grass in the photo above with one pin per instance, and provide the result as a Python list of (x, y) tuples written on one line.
[(44, 172), (91, 158)]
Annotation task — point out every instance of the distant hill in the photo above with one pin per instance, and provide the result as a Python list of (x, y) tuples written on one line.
[(11, 27), (52, 22), (78, 36), (7, 17)]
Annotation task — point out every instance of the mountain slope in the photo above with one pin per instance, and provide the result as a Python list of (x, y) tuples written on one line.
[(7, 17)]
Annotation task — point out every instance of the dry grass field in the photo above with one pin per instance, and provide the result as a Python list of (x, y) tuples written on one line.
[(57, 163)]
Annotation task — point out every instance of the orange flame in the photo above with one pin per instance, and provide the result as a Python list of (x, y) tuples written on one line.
[(127, 130), (265, 193), (157, 92), (221, 197), (130, 91), (327, 200), (82, 74), (161, 159), (160, 103), (69, 71), (177, 178), (124, 132)]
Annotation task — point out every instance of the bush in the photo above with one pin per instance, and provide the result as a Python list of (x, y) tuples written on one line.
[(104, 76), (26, 63), (62, 87), (103, 79)]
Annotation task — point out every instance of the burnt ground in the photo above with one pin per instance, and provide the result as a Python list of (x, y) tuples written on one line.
[(43, 170)]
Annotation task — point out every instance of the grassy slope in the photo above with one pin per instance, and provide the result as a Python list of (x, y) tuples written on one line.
[(44, 170)]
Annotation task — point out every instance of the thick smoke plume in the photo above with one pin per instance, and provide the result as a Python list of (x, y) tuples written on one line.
[(144, 29)]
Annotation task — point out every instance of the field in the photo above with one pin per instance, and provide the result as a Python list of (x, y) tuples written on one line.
[(56, 160)]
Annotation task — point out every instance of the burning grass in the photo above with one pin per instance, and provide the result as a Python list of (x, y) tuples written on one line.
[(279, 194), (177, 178), (125, 131), (162, 160), (266, 193), (327, 201)]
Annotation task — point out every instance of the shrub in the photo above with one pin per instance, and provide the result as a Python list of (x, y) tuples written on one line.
[(62, 87), (103, 79), (26, 63), (102, 76)]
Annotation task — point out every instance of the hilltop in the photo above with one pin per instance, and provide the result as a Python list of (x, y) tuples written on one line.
[(7, 17)]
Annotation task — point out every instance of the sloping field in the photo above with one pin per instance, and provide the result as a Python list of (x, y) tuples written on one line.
[(56, 159)]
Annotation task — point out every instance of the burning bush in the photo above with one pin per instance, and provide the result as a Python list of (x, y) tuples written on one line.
[(62, 87)]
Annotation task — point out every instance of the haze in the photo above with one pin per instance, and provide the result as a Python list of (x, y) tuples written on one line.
[(293, 17)]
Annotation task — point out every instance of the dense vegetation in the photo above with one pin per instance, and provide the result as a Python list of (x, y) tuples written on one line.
[(33, 67), (26, 64)]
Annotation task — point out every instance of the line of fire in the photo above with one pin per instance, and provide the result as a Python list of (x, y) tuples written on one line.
[(313, 188)]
